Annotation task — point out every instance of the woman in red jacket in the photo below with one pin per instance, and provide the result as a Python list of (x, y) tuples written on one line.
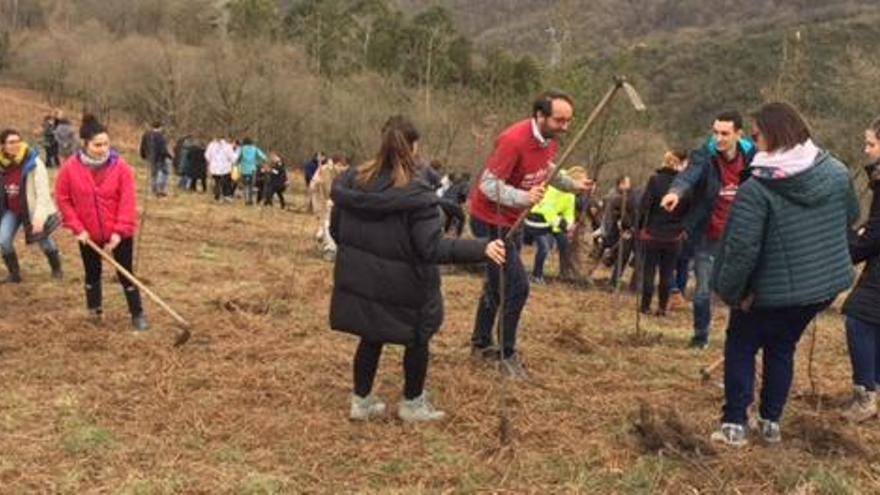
[(96, 195)]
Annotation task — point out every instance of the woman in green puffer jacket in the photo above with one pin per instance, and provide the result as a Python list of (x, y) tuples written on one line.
[(784, 258)]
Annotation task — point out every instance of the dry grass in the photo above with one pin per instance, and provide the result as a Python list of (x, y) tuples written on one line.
[(257, 401)]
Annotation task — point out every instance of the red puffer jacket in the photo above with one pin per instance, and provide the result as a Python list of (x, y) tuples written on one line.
[(101, 202)]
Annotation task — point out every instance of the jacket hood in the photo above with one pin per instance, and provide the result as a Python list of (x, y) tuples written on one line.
[(745, 145), (786, 163), (816, 184), (380, 196)]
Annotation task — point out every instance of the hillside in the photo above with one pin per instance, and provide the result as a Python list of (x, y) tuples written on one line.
[(256, 402), (585, 26)]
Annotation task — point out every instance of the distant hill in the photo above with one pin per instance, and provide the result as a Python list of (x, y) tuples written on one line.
[(583, 26)]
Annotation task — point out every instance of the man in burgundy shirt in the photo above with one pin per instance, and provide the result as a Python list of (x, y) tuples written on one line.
[(711, 181), (512, 181)]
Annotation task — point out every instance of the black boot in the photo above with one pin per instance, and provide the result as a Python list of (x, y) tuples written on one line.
[(93, 302), (55, 263), (133, 298), (11, 261)]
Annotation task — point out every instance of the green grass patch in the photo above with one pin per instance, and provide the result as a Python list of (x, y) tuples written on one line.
[(82, 435), (230, 455), (262, 485)]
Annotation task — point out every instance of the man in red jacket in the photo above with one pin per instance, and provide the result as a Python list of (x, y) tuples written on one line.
[(512, 181)]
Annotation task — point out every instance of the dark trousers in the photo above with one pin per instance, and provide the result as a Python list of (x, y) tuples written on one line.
[(415, 368), (192, 183), (222, 186), (863, 341), (52, 159), (270, 191), (776, 331), (124, 255), (516, 292), (454, 215), (662, 258)]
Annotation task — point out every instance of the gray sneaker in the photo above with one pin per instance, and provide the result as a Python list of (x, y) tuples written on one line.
[(366, 408), (418, 410), (139, 323), (513, 368), (96, 316), (487, 354), (862, 407), (730, 434), (769, 431)]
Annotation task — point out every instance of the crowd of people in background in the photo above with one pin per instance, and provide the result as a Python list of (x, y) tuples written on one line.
[(765, 221)]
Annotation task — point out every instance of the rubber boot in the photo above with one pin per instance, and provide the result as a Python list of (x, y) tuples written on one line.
[(11, 261), (55, 264), (93, 302), (133, 298)]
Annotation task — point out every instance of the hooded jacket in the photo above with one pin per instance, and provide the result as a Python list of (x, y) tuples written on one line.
[(863, 302), (250, 158), (101, 202), (786, 240), (386, 280), (700, 182), (37, 201)]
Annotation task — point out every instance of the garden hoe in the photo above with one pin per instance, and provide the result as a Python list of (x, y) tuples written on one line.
[(184, 335)]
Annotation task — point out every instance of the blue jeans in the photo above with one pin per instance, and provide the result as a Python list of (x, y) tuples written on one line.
[(159, 176), (704, 262), (776, 331), (682, 267), (516, 292), (9, 225), (544, 244), (863, 341)]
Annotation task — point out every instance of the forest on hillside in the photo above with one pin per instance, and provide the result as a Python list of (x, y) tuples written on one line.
[(307, 74)]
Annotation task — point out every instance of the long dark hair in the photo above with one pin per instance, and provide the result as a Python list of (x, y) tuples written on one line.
[(399, 135)]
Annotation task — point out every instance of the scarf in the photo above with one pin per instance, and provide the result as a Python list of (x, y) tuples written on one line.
[(7, 161), (785, 163), (93, 163)]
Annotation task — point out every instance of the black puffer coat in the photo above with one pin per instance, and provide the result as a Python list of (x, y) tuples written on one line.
[(386, 280), (863, 302)]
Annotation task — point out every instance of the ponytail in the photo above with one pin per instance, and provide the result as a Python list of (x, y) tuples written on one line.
[(399, 136)]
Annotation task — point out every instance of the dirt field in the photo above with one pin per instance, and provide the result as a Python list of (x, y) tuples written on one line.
[(257, 401)]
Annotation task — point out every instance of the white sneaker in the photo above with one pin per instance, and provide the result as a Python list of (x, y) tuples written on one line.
[(366, 408), (419, 409)]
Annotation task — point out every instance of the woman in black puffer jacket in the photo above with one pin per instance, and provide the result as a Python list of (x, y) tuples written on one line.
[(386, 222), (862, 307)]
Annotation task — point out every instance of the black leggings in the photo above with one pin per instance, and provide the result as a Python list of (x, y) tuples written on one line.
[(366, 363), (124, 255)]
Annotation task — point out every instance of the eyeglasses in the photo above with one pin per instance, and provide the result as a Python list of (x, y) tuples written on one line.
[(12, 141), (562, 120)]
